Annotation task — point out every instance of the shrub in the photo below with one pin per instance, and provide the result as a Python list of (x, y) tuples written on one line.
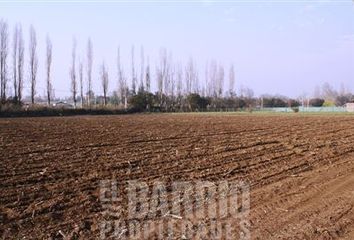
[(343, 99), (293, 103), (142, 101), (295, 109), (328, 104), (240, 103), (196, 102), (274, 102), (10, 104), (316, 102)]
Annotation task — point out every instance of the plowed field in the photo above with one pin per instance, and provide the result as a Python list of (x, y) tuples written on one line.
[(300, 169)]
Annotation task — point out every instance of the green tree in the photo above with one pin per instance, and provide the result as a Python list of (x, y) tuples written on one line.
[(196, 102), (143, 101)]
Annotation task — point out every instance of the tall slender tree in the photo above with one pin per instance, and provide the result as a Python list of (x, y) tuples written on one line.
[(126, 90), (120, 78), (3, 58), (33, 61), (20, 63), (191, 77), (220, 81), (206, 81), (196, 88), (172, 77), (161, 71), (167, 74), (73, 74), (89, 71), (133, 77), (81, 79), (122, 82), (147, 76), (48, 70), (179, 76), (232, 81), (213, 76), (142, 69), (14, 61), (104, 78)]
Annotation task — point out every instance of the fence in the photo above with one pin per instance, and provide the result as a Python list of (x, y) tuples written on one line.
[(306, 109), (323, 109)]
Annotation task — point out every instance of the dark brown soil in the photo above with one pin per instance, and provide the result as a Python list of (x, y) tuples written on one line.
[(300, 168)]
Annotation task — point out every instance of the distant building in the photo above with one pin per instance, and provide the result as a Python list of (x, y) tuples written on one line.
[(350, 107)]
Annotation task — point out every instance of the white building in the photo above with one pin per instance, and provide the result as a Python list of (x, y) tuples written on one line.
[(350, 107)]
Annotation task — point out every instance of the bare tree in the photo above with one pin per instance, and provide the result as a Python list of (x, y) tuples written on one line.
[(81, 79), (3, 57), (179, 76), (122, 82), (328, 92), (126, 90), (246, 92), (133, 72), (220, 81), (147, 76), (213, 70), (159, 79), (33, 61), (207, 81), (196, 80), (104, 78), (89, 71), (20, 63), (73, 73), (142, 69), (48, 68), (232, 81), (191, 76), (121, 86), (14, 60), (161, 72), (343, 89), (172, 77), (167, 74)]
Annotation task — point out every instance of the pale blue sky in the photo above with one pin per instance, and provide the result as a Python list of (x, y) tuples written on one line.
[(285, 47)]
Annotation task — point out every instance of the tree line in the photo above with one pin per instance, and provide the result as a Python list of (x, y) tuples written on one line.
[(178, 86), (173, 80)]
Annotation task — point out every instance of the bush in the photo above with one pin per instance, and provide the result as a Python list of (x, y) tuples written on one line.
[(196, 102), (274, 102), (294, 103), (11, 104), (328, 104), (343, 99), (295, 109), (240, 103), (316, 102), (142, 101)]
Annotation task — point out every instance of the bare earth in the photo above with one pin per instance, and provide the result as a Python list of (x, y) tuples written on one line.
[(300, 169)]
